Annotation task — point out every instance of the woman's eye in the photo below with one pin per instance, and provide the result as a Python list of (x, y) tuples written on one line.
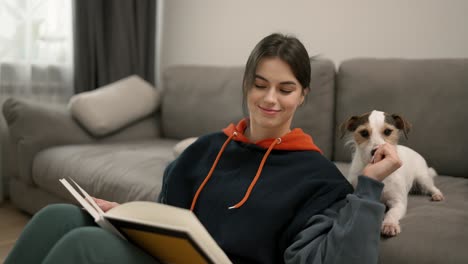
[(388, 132), (286, 91), (260, 86), (364, 133)]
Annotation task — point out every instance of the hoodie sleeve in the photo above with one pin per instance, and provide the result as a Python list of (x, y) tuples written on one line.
[(347, 232)]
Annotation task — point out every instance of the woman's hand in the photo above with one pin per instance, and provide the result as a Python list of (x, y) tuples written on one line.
[(385, 162), (105, 205)]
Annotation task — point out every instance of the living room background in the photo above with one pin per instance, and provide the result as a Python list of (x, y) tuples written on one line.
[(212, 32), (118, 141)]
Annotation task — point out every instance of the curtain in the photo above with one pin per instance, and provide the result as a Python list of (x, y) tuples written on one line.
[(36, 49), (113, 39)]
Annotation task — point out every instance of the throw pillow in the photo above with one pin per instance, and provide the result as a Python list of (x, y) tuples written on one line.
[(114, 106), (182, 145)]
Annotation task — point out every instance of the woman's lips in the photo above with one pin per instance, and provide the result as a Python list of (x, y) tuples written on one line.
[(269, 111)]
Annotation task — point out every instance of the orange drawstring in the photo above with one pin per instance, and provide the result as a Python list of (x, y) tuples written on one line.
[(259, 171), (195, 198), (252, 184)]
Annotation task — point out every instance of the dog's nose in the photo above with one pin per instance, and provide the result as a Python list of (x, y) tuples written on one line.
[(373, 151)]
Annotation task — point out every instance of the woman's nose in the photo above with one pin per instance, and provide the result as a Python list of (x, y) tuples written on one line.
[(270, 96)]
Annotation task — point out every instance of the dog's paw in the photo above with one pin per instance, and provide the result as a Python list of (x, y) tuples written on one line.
[(437, 197), (390, 229)]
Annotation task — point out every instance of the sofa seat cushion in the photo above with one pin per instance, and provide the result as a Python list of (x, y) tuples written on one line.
[(118, 172), (428, 236), (431, 232)]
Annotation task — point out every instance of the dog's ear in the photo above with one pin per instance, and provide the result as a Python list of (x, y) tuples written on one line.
[(348, 125), (402, 124)]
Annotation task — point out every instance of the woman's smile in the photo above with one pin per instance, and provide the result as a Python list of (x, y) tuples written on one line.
[(269, 111)]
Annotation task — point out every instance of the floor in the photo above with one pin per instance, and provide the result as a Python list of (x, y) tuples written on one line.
[(12, 222)]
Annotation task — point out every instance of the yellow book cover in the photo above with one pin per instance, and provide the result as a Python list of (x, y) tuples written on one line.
[(168, 233)]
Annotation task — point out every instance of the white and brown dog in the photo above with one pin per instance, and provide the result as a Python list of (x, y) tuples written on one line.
[(368, 132)]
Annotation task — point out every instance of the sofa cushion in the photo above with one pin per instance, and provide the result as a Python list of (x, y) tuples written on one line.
[(431, 232), (316, 115), (429, 236), (118, 172), (197, 100), (116, 105), (429, 93), (212, 98)]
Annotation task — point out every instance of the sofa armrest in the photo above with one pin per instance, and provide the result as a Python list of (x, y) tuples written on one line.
[(34, 127)]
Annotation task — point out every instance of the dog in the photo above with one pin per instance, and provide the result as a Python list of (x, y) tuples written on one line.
[(370, 130)]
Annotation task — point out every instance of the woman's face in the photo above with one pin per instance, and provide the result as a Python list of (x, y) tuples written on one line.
[(275, 96)]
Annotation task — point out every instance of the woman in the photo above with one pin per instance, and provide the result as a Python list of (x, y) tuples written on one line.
[(263, 190)]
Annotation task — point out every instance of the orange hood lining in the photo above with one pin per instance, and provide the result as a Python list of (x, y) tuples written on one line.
[(294, 140)]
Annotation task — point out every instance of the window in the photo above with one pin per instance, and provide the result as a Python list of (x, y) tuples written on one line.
[(36, 54)]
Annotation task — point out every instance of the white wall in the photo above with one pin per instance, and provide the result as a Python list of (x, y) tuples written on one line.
[(223, 32)]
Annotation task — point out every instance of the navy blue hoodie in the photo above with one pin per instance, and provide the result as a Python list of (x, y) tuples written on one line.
[(254, 198)]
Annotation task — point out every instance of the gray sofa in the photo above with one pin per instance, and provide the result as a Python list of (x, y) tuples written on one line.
[(48, 144)]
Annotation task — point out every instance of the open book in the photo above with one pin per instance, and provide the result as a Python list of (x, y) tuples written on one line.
[(168, 233)]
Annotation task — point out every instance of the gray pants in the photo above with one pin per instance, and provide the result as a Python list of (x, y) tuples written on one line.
[(64, 233)]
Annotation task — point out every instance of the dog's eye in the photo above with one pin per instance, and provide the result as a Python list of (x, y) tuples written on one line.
[(364, 133), (388, 132)]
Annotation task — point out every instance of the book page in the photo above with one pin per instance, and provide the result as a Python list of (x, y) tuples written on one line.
[(90, 205), (91, 210), (88, 198)]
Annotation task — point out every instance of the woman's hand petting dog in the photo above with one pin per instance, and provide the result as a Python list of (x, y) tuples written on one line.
[(384, 162)]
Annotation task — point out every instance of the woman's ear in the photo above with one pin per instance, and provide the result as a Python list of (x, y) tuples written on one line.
[(305, 91)]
